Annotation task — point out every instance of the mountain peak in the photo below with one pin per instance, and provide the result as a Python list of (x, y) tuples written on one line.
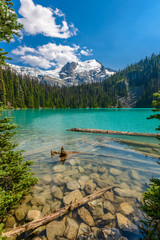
[(72, 73)]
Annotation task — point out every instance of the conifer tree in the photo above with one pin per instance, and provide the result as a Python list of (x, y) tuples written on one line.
[(15, 175), (2, 89), (151, 198), (9, 27)]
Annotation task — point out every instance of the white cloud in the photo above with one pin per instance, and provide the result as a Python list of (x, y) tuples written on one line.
[(22, 50), (36, 61), (48, 55), (37, 19), (86, 52)]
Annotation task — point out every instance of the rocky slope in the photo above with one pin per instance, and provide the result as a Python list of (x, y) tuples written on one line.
[(72, 73)]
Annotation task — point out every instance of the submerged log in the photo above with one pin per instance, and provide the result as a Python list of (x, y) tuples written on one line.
[(88, 130), (43, 221)]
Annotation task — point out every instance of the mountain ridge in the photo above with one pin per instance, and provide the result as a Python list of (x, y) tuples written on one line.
[(72, 73)]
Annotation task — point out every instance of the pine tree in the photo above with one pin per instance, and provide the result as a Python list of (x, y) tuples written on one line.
[(2, 89), (15, 175), (9, 26), (151, 198)]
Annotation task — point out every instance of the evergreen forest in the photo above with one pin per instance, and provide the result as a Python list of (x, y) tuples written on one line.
[(25, 92)]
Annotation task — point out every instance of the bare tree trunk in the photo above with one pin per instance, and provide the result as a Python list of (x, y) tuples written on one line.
[(113, 132), (43, 221)]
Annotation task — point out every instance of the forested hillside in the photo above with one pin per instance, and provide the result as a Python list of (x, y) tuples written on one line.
[(142, 79), (21, 92), (134, 86)]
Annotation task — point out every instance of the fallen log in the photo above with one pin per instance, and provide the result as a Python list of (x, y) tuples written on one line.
[(88, 130), (43, 221)]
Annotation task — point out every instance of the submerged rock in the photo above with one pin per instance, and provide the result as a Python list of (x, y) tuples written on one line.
[(55, 228), (33, 215), (134, 175), (108, 205), (125, 193), (102, 183), (96, 207), (115, 171), (125, 224), (72, 197), (90, 187), (71, 229), (56, 192), (83, 229), (59, 168), (108, 217), (112, 234), (47, 179), (21, 212), (10, 222), (126, 208), (46, 209), (86, 216), (109, 196), (73, 185)]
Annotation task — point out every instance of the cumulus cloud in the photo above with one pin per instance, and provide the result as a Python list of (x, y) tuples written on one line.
[(23, 50), (36, 61), (37, 19), (48, 55), (86, 52)]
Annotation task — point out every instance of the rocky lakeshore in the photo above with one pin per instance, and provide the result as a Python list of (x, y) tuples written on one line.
[(115, 215)]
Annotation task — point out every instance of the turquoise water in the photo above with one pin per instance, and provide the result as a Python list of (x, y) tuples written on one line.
[(40, 131)]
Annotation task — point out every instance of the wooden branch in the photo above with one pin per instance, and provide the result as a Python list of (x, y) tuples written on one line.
[(114, 132), (43, 221)]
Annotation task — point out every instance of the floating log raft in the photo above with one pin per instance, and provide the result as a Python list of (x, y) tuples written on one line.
[(88, 130), (43, 221)]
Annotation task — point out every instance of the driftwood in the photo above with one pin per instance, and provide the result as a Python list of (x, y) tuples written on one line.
[(58, 213), (113, 132)]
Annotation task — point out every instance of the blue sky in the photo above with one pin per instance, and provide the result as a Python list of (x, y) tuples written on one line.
[(116, 33)]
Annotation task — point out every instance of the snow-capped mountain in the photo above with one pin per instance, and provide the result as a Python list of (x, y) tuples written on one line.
[(72, 73)]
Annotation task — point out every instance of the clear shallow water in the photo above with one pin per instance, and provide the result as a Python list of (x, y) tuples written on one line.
[(41, 131)]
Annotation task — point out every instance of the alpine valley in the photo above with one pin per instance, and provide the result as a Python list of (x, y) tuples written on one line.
[(81, 85)]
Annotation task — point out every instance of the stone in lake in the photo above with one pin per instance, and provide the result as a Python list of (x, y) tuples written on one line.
[(46, 209), (81, 170), (126, 208), (21, 212), (124, 185), (96, 207), (126, 193), (59, 168), (125, 224), (109, 196), (73, 185), (102, 183), (33, 215), (72, 162), (10, 222), (38, 201), (115, 171), (108, 217), (55, 228), (112, 234), (83, 229), (71, 229), (72, 197), (134, 175), (110, 208), (56, 192), (84, 178), (90, 187), (86, 216), (46, 179)]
